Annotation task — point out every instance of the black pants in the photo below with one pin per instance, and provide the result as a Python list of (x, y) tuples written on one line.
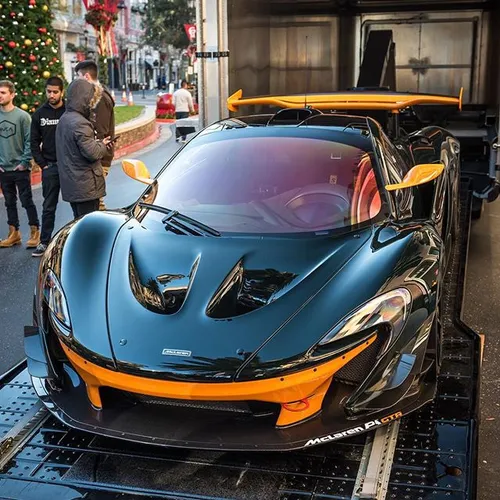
[(12, 184), (50, 190), (84, 207), (180, 131)]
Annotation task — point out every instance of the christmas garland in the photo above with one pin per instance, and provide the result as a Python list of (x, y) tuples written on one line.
[(99, 17)]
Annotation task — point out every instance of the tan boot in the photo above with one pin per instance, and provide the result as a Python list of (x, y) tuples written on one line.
[(14, 238), (34, 237)]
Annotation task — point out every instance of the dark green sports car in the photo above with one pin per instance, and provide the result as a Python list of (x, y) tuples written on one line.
[(276, 286)]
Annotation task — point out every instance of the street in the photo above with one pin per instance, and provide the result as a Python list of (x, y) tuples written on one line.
[(18, 268)]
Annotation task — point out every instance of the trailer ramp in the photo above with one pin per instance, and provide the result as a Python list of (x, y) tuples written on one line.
[(431, 454)]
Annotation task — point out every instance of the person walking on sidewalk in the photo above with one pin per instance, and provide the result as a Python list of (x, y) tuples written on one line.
[(15, 167), (79, 153), (43, 149), (183, 103), (104, 116)]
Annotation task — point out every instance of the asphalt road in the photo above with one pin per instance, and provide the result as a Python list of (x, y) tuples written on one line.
[(18, 268)]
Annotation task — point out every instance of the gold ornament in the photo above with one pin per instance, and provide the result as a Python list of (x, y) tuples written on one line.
[(46, 74), (27, 42), (48, 41), (9, 64), (24, 106), (45, 8)]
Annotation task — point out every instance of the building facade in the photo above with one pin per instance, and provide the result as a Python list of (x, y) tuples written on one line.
[(133, 65), (74, 35), (139, 64)]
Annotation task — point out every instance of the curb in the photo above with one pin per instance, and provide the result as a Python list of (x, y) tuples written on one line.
[(132, 148)]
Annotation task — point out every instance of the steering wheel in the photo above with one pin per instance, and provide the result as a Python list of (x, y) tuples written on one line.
[(320, 205)]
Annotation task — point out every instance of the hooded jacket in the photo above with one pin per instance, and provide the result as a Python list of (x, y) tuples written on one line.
[(79, 154)]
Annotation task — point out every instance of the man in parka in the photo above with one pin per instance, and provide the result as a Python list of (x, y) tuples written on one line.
[(79, 153)]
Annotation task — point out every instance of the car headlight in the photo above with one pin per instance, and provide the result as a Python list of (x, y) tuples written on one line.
[(56, 302), (391, 308)]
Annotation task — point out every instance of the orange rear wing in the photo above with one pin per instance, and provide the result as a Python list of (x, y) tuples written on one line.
[(345, 100)]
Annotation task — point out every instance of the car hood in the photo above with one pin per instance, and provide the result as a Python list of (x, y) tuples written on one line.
[(197, 307)]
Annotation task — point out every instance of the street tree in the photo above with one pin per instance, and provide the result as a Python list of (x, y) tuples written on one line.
[(164, 23)]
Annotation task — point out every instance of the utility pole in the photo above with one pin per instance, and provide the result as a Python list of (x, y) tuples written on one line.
[(213, 69)]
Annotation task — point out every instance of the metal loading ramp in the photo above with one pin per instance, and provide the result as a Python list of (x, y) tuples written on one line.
[(431, 454)]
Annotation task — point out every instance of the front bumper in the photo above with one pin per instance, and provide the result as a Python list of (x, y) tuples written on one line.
[(69, 399)]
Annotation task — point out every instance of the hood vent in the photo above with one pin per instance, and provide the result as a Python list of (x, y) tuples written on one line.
[(164, 294), (246, 290)]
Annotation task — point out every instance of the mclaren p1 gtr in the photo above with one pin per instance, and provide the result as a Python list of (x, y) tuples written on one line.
[(276, 286)]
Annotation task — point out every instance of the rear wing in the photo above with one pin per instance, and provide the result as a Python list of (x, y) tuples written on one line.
[(389, 101)]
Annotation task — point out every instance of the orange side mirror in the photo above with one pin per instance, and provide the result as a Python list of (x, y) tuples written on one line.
[(419, 174), (137, 170)]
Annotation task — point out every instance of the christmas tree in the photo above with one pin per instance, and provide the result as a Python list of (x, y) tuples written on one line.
[(28, 49)]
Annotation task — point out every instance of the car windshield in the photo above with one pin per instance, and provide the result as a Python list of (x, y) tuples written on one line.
[(272, 183)]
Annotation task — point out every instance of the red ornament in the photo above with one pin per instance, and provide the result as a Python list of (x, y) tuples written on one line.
[(54, 59), (12, 14), (12, 45), (35, 68), (32, 58), (42, 30), (34, 92), (1, 48), (2, 39), (37, 103), (25, 93), (1, 67), (51, 63), (32, 2), (12, 75)]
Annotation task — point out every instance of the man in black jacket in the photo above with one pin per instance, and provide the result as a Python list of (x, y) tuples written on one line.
[(43, 149), (104, 116), (79, 153)]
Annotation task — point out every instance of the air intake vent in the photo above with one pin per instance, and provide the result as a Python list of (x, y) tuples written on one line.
[(245, 290)]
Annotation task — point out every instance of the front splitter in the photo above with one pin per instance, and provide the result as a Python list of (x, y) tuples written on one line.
[(178, 426)]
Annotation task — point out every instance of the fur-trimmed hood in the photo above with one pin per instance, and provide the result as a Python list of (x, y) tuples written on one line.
[(83, 96)]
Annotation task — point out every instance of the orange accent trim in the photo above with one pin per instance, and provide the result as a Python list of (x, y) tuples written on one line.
[(310, 384), (389, 102), (292, 413), (419, 174)]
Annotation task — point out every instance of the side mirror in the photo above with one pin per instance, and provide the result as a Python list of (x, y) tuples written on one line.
[(418, 175), (137, 170)]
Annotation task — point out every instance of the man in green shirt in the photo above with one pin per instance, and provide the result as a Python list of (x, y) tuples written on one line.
[(15, 167)]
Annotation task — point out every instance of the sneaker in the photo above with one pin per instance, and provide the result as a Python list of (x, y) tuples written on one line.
[(39, 250)]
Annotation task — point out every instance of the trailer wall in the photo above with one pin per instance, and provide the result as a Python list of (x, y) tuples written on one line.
[(436, 52)]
